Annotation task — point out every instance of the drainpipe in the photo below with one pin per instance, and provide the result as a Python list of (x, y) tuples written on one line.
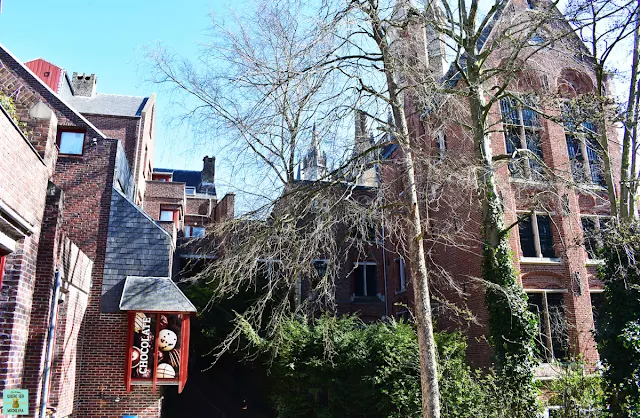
[(53, 315), (384, 271)]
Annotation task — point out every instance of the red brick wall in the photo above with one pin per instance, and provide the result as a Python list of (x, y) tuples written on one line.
[(23, 188), (118, 127), (464, 264)]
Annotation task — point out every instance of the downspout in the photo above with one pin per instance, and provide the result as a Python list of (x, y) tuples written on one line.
[(53, 316), (384, 270)]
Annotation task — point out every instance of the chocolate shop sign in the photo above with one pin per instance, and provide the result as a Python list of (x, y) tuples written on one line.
[(158, 349)]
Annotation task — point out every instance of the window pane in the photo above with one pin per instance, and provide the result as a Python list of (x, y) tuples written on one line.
[(371, 280), (71, 143), (526, 238), (596, 301), (508, 107), (595, 164), (559, 331), (512, 142), (590, 237), (575, 158), (166, 215), (536, 306), (358, 280), (535, 146), (546, 236), (530, 117)]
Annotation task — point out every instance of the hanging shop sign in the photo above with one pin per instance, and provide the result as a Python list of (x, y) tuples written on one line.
[(158, 349)]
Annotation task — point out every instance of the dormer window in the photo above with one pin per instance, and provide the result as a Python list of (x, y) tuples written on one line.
[(190, 191), (70, 142)]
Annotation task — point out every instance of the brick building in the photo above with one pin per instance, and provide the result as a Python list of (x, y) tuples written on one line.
[(91, 321), (555, 268)]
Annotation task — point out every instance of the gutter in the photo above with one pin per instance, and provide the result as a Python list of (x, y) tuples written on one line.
[(53, 316)]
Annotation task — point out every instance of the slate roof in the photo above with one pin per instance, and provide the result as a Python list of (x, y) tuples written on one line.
[(189, 177), (109, 104), (157, 294), (136, 246)]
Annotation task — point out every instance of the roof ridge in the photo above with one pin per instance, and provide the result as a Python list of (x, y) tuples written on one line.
[(43, 84)]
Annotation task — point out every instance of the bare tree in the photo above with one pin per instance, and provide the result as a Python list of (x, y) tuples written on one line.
[(291, 65), (610, 30)]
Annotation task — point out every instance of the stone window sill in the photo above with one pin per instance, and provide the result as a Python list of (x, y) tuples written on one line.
[(540, 260), (594, 262)]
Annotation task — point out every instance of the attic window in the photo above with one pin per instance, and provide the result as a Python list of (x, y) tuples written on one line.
[(70, 142), (190, 191)]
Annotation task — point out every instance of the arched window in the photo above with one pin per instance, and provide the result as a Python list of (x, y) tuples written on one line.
[(572, 83)]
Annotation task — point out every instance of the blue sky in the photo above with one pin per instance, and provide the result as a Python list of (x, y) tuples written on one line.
[(107, 37)]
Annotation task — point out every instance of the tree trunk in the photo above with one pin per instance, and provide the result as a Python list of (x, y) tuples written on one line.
[(512, 327), (627, 210), (417, 259)]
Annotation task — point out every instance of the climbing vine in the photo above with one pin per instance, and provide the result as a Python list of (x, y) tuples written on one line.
[(618, 330), (9, 106)]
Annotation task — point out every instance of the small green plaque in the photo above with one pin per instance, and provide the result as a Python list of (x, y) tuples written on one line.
[(15, 402)]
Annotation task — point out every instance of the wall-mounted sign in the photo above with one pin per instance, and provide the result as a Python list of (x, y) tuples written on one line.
[(15, 402), (158, 349)]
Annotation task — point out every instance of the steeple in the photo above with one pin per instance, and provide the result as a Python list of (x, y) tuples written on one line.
[(313, 166)]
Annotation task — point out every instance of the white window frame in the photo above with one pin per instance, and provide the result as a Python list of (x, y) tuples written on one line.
[(364, 276), (536, 239), (190, 190)]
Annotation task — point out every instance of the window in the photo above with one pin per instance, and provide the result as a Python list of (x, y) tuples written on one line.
[(553, 336), (161, 177), (597, 297), (592, 227), (190, 191), (441, 143), (70, 142), (191, 231), (402, 281), (169, 215), (584, 158), (365, 278), (522, 131), (536, 236), (320, 266)]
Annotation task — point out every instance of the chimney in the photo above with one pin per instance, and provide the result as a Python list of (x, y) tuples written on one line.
[(209, 170), (84, 84), (208, 176)]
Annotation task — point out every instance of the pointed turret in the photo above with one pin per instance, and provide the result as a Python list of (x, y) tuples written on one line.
[(313, 166)]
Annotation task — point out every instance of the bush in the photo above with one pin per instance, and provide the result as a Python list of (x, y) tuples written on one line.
[(578, 394), (618, 331), (341, 367)]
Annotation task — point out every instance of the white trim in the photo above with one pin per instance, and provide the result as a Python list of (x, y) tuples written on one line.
[(540, 260), (546, 290), (596, 290)]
